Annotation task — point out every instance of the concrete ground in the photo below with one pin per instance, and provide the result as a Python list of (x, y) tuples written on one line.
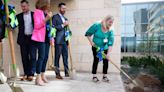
[(82, 83)]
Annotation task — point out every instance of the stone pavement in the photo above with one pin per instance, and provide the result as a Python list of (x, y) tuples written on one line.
[(82, 83)]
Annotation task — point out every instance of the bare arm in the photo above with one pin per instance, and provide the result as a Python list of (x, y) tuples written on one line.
[(90, 41)]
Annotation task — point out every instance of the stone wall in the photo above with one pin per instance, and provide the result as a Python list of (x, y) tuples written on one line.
[(81, 14)]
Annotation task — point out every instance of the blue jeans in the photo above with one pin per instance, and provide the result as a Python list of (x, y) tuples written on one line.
[(37, 48), (47, 47), (61, 49)]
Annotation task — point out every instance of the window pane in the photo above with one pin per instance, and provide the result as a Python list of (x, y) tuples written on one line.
[(141, 46), (154, 37), (141, 15), (130, 9), (142, 37), (123, 14), (154, 28), (161, 37), (122, 44), (154, 45), (123, 31), (130, 29), (140, 28), (162, 47), (162, 29), (130, 44)]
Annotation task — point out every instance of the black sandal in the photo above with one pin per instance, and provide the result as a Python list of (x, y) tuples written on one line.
[(95, 79)]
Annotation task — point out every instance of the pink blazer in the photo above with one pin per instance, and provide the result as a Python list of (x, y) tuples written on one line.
[(39, 31)]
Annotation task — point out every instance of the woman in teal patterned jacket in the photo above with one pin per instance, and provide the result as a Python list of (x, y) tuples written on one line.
[(101, 42)]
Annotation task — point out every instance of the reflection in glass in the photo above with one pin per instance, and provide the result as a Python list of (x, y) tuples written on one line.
[(130, 29), (141, 46), (143, 27)]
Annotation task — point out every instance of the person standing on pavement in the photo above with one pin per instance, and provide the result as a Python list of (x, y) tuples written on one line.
[(25, 29), (61, 45)]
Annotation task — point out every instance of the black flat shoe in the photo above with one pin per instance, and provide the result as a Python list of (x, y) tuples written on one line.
[(95, 79), (105, 79)]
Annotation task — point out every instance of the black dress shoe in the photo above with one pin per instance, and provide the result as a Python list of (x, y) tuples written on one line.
[(59, 77), (67, 75)]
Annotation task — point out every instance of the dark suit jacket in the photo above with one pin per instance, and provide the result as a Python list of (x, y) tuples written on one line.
[(2, 27), (21, 28), (60, 34)]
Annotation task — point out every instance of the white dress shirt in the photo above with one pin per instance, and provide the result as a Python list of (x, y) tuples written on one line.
[(62, 18), (28, 23)]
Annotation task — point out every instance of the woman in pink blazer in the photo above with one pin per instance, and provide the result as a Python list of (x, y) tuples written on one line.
[(38, 38)]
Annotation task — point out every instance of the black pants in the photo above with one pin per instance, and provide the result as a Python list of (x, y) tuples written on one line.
[(96, 61), (25, 49), (61, 49)]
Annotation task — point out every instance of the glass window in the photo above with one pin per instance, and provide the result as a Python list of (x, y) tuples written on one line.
[(162, 29), (129, 29), (142, 6), (154, 28), (162, 47), (130, 10), (123, 12), (161, 37), (162, 21), (142, 37), (154, 45), (122, 44), (123, 31), (129, 20), (130, 44), (142, 27), (154, 37), (141, 46)]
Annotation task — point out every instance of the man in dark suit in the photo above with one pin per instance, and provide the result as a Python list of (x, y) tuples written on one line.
[(60, 23), (26, 24)]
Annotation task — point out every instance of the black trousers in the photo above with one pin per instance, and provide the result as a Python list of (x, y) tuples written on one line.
[(96, 61), (61, 49), (25, 49)]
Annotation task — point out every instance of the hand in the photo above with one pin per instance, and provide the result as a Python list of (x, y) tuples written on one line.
[(92, 43), (108, 54), (66, 23), (49, 15)]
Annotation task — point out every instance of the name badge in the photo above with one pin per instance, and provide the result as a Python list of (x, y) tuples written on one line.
[(105, 40)]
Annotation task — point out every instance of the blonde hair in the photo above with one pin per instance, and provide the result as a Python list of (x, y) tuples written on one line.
[(104, 21)]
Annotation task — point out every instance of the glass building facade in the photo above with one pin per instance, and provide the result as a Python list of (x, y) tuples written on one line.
[(142, 27)]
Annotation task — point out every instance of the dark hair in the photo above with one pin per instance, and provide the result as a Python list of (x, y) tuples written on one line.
[(60, 4), (24, 1), (1, 3)]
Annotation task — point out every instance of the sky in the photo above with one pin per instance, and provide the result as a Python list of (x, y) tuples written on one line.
[(136, 1)]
